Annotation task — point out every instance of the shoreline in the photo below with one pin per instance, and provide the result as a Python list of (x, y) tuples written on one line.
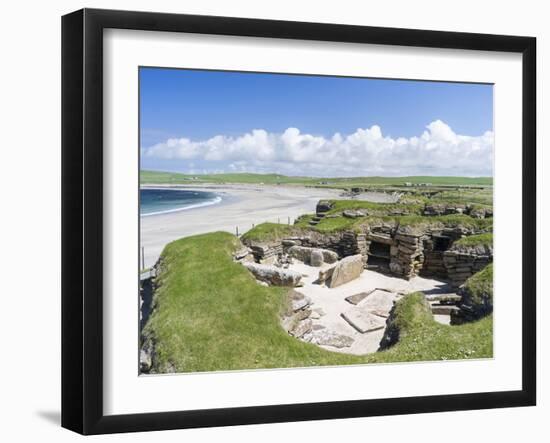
[(217, 200), (242, 206)]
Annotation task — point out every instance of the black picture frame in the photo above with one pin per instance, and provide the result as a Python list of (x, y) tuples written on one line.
[(82, 215)]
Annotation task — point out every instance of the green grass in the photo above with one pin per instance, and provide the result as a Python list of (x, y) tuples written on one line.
[(210, 314), (158, 177), (269, 231), (375, 208), (415, 222), (483, 197), (266, 232), (451, 220), (476, 240), (479, 287), (327, 225), (434, 180), (422, 338)]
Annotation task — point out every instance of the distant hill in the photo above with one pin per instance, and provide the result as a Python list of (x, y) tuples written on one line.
[(158, 177)]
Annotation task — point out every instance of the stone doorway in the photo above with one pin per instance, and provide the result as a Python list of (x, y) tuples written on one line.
[(379, 257), (441, 243)]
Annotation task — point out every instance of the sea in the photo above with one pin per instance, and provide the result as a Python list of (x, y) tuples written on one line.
[(157, 201)]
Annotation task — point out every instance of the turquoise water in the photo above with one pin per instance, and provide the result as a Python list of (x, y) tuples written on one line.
[(162, 201)]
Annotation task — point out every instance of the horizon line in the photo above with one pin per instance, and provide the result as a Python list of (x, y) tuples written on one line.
[(313, 176)]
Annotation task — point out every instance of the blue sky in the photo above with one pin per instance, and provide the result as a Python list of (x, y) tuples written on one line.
[(203, 121)]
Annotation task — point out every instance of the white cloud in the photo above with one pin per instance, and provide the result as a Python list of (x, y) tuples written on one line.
[(437, 151)]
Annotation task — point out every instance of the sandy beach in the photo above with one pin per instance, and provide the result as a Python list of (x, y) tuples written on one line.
[(242, 206)]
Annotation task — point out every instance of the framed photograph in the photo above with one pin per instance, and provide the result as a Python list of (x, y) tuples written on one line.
[(269, 221)]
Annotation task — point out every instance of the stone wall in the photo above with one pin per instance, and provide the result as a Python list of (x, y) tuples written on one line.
[(463, 262), (362, 246), (434, 264), (407, 254), (266, 253), (433, 209), (434, 248), (333, 242), (412, 251)]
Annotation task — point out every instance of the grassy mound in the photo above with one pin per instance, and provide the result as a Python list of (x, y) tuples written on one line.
[(476, 240), (476, 298), (329, 224), (209, 314), (413, 222), (420, 337), (447, 221), (479, 288), (269, 231)]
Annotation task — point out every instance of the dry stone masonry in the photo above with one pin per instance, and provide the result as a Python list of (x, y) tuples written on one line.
[(266, 253), (401, 251), (462, 262), (389, 247), (404, 248), (407, 255)]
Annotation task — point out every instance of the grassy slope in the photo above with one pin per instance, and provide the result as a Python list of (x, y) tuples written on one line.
[(480, 197), (328, 225), (210, 314), (269, 231), (476, 240), (378, 212), (158, 177), (422, 338), (480, 286), (342, 223)]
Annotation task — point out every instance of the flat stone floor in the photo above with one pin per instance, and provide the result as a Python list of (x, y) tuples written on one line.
[(333, 303)]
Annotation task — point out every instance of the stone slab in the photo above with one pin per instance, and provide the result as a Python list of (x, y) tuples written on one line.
[(438, 309), (302, 328), (316, 258), (380, 238), (347, 269), (379, 300), (325, 337), (379, 313), (298, 300), (363, 320), (357, 298)]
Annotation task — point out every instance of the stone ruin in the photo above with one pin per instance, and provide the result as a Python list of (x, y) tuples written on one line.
[(434, 209), (401, 251), (461, 262), (405, 251)]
